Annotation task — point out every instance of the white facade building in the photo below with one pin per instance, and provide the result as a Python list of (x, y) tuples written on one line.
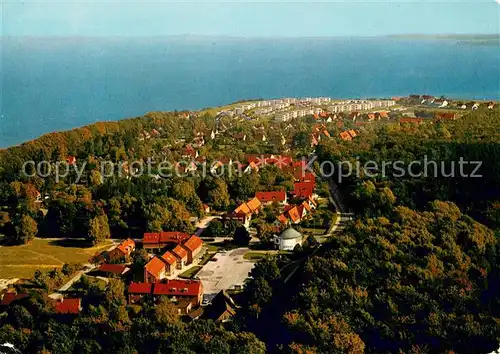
[(288, 239)]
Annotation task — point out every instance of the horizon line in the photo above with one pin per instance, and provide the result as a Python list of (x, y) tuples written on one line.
[(216, 36)]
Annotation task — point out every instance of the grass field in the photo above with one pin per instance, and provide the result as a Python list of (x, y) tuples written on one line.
[(21, 261)]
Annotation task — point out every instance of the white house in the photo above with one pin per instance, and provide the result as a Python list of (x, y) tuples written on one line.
[(288, 239)]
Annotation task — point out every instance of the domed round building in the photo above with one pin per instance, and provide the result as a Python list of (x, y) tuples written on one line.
[(288, 239)]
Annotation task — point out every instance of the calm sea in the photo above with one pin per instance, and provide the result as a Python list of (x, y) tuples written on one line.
[(51, 84)]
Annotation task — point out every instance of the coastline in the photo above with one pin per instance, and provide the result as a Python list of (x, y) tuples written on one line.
[(222, 107)]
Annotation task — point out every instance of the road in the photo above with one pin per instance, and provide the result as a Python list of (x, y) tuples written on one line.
[(342, 218), (203, 224), (87, 268)]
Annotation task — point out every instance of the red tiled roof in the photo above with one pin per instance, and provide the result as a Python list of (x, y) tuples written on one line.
[(140, 288), (249, 207), (294, 214), (112, 268), (155, 266), (173, 237), (9, 298), (127, 246), (446, 116), (151, 237), (254, 204), (178, 287), (345, 136), (164, 237), (277, 196), (193, 243), (303, 189), (282, 219), (71, 160), (300, 209), (68, 306), (169, 258), (352, 133), (179, 251), (411, 120)]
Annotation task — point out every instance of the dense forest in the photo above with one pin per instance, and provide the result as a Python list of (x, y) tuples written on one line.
[(417, 271)]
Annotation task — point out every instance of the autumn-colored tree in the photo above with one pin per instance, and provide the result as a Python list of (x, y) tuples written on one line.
[(218, 195), (26, 228), (99, 229)]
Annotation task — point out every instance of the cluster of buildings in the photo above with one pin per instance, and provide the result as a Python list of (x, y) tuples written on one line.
[(289, 108), (184, 251), (441, 102), (363, 105), (294, 206), (348, 135), (297, 113)]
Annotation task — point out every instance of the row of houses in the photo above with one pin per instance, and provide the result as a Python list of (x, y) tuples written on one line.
[(172, 261), (351, 106), (297, 113)]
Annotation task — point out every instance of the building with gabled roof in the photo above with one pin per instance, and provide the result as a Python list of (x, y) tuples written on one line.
[(115, 269), (294, 215), (240, 217), (221, 309), (154, 270), (137, 291), (193, 247), (271, 197), (180, 289), (303, 190), (123, 250), (250, 207), (411, 120), (345, 136), (445, 116), (182, 256), (10, 297), (159, 240)]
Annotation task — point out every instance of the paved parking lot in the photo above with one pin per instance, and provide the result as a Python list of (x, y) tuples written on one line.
[(229, 270)]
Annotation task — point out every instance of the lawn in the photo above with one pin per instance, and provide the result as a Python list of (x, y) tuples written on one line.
[(21, 261), (317, 231), (190, 273), (254, 256)]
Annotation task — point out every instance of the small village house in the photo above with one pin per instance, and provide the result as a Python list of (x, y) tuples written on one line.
[(266, 198), (193, 247), (182, 256), (154, 270)]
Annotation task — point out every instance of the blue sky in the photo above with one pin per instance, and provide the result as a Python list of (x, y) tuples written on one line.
[(248, 19)]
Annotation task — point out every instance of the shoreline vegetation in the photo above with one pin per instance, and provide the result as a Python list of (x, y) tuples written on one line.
[(202, 111)]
